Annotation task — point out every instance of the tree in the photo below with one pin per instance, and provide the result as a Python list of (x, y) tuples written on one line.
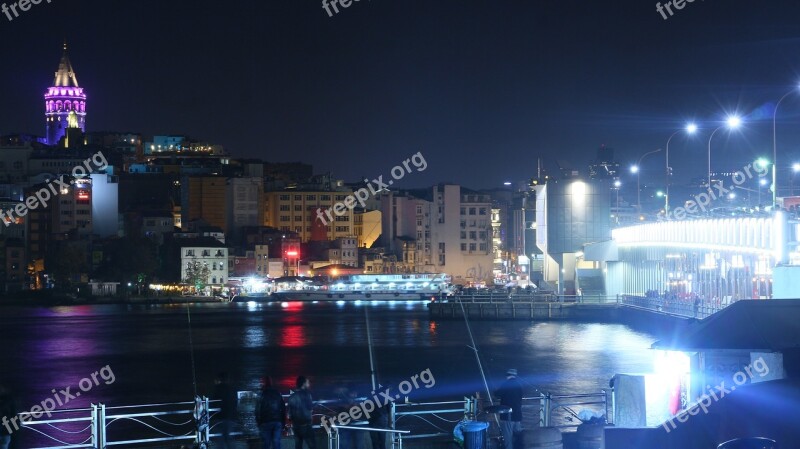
[(197, 274), (66, 262), (128, 259)]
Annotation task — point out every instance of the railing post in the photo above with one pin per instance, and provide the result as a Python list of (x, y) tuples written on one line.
[(207, 430), (95, 431), (547, 410), (392, 415), (101, 425)]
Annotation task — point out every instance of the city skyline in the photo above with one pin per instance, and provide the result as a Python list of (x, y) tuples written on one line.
[(262, 91)]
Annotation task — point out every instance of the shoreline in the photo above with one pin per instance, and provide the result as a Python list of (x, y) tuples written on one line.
[(138, 300)]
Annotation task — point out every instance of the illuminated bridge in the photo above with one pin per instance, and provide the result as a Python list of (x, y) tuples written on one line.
[(719, 260)]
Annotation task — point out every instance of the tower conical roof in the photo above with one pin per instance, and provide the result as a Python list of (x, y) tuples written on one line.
[(65, 76)]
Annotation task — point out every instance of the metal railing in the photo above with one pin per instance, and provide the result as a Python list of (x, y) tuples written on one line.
[(549, 403), (533, 297), (68, 429), (687, 308), (100, 427), (333, 435), (429, 417)]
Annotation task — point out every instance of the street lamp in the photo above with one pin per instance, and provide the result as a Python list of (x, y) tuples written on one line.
[(764, 163), (617, 185), (775, 145), (635, 169), (690, 129), (732, 123)]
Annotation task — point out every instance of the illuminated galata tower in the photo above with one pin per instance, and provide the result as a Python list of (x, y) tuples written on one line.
[(65, 102)]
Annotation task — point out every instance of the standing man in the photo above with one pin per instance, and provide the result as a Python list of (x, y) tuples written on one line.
[(270, 415), (227, 413), (379, 419), (7, 412), (510, 394), (300, 407)]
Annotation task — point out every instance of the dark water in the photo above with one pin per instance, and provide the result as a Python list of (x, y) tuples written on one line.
[(147, 348)]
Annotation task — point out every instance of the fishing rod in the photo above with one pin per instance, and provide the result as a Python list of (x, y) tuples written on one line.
[(373, 375), (474, 347)]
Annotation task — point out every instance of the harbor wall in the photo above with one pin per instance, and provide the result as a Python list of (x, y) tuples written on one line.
[(635, 317)]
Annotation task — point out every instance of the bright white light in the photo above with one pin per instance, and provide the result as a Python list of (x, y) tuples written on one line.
[(795, 167), (731, 196), (762, 181), (734, 122), (506, 183), (691, 128), (634, 169), (617, 183)]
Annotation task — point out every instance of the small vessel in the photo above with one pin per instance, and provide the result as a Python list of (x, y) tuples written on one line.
[(408, 286)]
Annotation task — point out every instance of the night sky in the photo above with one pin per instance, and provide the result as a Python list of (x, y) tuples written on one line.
[(481, 88)]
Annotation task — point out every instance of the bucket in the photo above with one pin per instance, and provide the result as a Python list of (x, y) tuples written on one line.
[(749, 443), (475, 435), (591, 436), (543, 438)]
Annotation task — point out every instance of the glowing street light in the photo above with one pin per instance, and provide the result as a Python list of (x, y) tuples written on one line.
[(690, 129), (733, 122), (634, 169), (796, 167), (775, 144)]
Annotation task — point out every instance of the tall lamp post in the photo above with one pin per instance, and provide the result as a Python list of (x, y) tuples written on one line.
[(691, 128), (636, 170), (617, 185), (775, 147), (732, 123)]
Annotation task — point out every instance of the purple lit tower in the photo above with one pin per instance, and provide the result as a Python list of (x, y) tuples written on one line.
[(65, 102)]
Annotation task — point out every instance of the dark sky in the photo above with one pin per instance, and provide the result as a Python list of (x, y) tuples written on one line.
[(481, 88)]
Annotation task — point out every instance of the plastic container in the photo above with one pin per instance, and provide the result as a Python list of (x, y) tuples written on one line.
[(475, 434), (749, 443)]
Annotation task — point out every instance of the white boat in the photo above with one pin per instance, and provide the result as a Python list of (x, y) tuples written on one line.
[(410, 286)]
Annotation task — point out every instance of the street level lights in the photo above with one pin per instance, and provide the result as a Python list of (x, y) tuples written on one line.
[(763, 163), (795, 170), (690, 129), (775, 145), (636, 169), (732, 123)]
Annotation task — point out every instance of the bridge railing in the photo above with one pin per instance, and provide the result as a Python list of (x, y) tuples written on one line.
[(681, 307), (543, 297)]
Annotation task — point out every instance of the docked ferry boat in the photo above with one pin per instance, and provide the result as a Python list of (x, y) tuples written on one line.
[(410, 286)]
